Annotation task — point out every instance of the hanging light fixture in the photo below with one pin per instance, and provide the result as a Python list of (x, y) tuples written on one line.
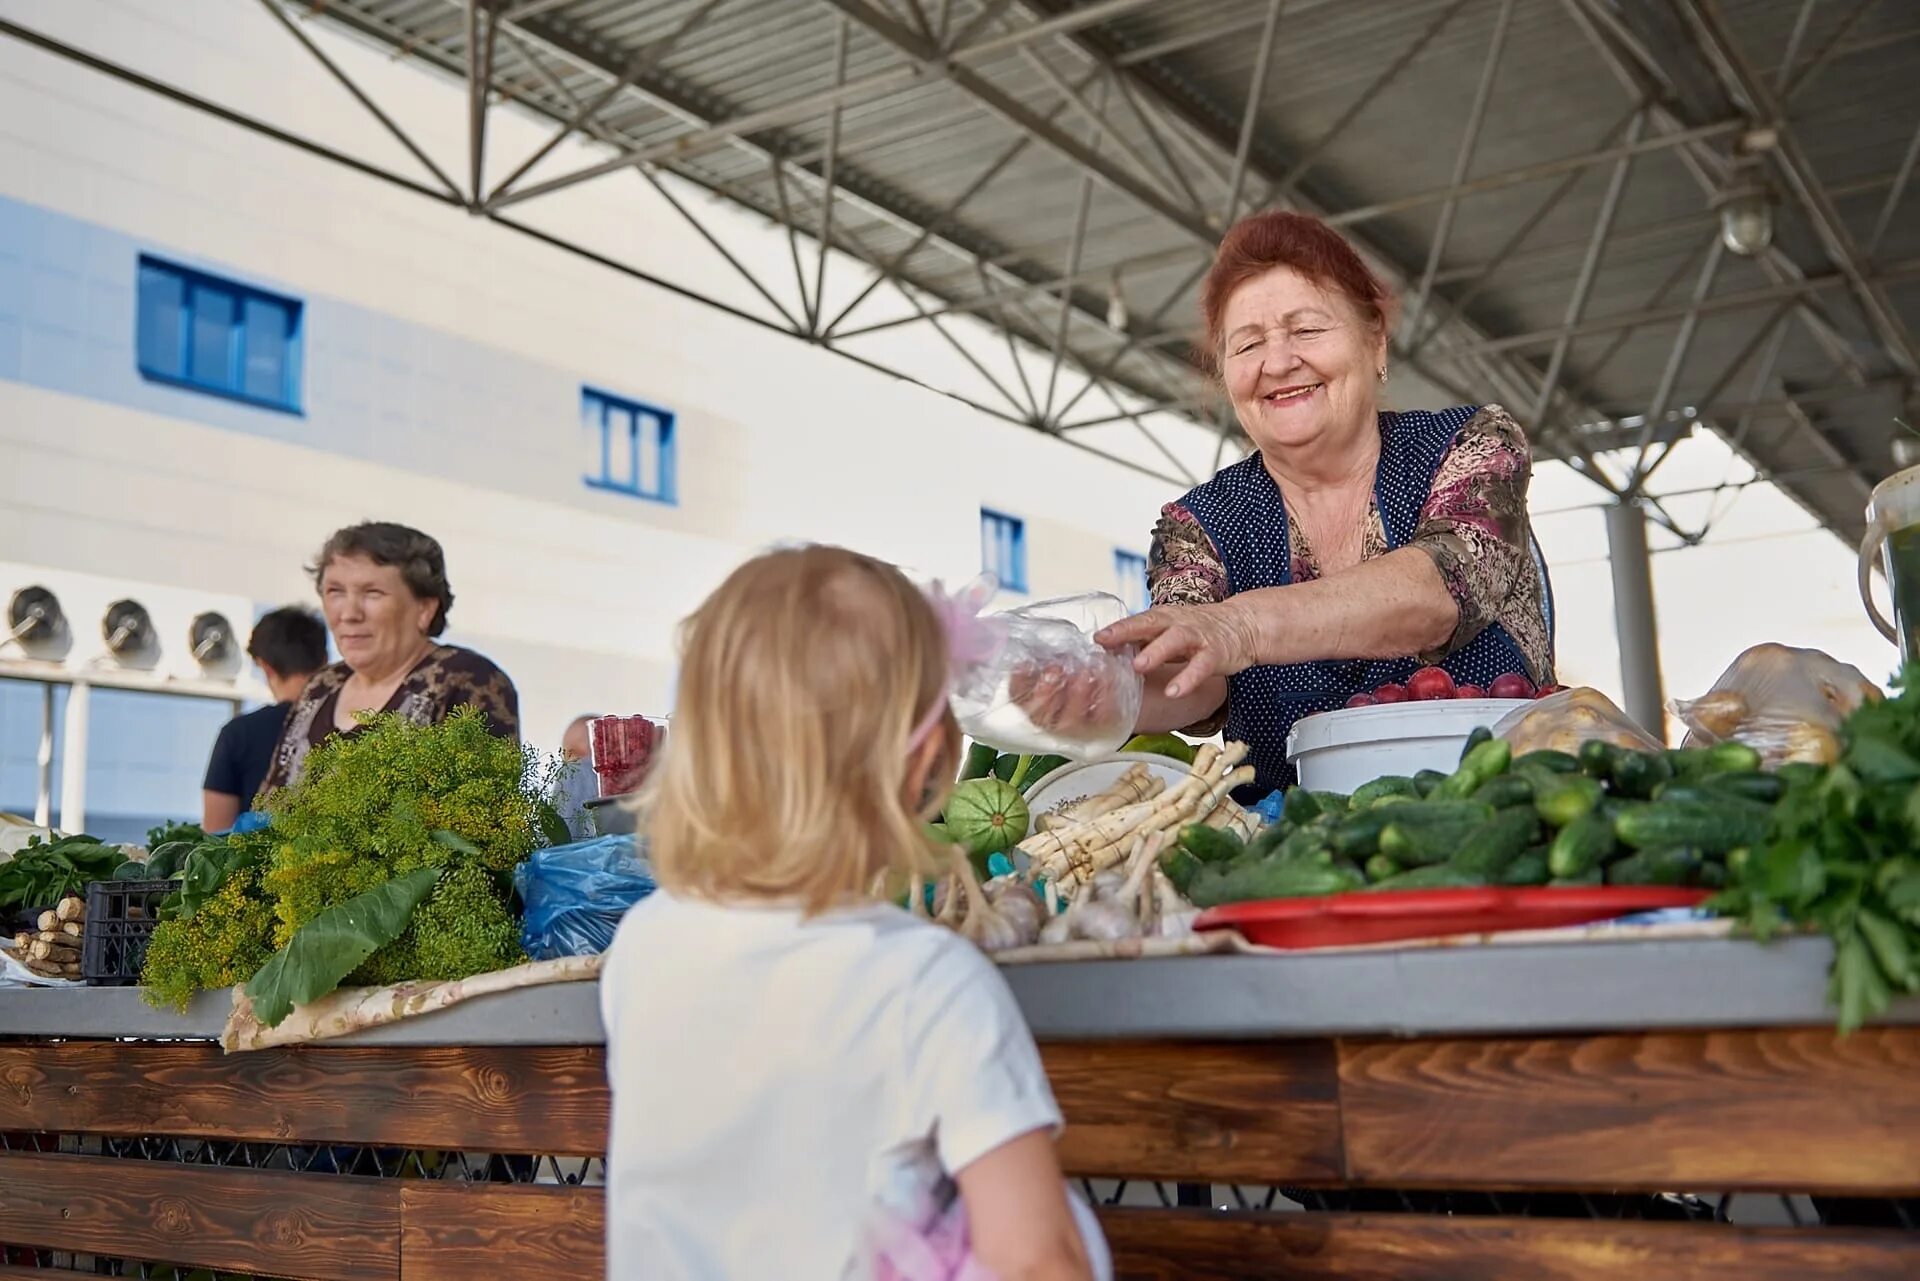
[(1745, 202), (1117, 315)]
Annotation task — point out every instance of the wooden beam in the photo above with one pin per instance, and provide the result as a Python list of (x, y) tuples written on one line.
[(1239, 1111), (314, 1227), (1799, 1108), (550, 1100), (1177, 1245), (456, 1232)]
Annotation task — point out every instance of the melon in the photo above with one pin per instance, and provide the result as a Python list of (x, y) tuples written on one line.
[(987, 816)]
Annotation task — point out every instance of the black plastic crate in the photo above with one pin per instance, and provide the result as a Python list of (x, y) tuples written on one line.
[(120, 920)]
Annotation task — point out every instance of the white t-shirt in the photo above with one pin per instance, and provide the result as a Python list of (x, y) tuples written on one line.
[(776, 1080)]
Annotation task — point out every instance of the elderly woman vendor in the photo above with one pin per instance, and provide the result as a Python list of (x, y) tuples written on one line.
[(1357, 544), (384, 591)]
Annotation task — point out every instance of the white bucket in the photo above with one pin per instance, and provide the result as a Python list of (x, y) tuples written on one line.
[(1339, 751)]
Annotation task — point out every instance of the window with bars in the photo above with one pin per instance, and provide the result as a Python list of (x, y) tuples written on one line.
[(1130, 579), (1003, 549), (200, 331), (630, 446)]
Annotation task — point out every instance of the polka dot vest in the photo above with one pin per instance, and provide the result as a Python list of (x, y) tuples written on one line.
[(1242, 512)]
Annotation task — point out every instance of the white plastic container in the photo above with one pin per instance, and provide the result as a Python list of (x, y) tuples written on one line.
[(1339, 751)]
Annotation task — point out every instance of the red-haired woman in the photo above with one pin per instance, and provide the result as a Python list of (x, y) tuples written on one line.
[(1357, 544)]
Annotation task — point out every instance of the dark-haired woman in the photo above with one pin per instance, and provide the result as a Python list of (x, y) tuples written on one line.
[(1356, 544), (384, 591)]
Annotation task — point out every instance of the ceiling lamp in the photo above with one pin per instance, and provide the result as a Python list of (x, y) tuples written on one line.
[(1745, 202), (1117, 316)]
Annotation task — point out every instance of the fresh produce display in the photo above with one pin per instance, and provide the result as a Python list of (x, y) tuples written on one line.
[(44, 871), (391, 861), (985, 816), (52, 948), (1842, 854), (1073, 853), (1432, 684), (1608, 815)]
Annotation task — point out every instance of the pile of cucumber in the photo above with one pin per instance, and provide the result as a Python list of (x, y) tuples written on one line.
[(1608, 816)]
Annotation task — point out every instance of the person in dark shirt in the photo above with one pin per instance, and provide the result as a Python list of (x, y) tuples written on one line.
[(289, 645)]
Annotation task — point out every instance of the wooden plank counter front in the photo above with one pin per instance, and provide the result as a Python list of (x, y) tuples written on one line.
[(1784, 1109)]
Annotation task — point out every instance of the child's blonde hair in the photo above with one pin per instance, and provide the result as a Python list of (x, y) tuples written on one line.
[(801, 682)]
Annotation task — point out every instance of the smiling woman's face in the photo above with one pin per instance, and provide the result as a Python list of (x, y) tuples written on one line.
[(375, 618), (1301, 364)]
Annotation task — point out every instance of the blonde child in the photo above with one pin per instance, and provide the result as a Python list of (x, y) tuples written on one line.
[(809, 1084)]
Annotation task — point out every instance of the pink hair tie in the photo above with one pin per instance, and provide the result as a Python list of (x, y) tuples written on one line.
[(974, 641)]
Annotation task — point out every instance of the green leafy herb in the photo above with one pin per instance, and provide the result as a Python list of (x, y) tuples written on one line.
[(333, 944)]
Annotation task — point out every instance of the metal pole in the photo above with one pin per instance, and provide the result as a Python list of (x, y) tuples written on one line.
[(1462, 161), (826, 194), (479, 89), (1074, 248), (1633, 616), (1899, 189), (1677, 358), (43, 794), (584, 113), (1589, 269), (73, 773), (1255, 90), (400, 135), (1367, 96)]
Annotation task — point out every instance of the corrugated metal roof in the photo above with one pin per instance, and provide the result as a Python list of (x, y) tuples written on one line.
[(1174, 78)]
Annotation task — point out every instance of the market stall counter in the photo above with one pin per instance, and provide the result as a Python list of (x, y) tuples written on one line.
[(1521, 1093)]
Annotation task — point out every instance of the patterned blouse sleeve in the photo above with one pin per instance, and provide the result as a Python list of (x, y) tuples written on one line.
[(473, 680), (1474, 522), (1184, 569)]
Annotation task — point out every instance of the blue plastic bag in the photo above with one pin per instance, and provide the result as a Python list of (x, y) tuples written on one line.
[(576, 894)]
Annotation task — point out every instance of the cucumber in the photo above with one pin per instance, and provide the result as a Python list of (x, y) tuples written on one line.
[(1380, 867), (1395, 798), (1764, 788), (1528, 869), (1497, 842), (1581, 846), (1307, 845), (1714, 829), (1427, 780), (1481, 765), (1504, 792), (1475, 738), (1670, 866), (1391, 785), (1358, 835), (1268, 839), (1181, 867), (1422, 844), (1687, 762), (1300, 806), (1574, 798), (1549, 760), (1637, 774), (1210, 844), (1592, 876), (1686, 793), (1438, 877), (1732, 758), (1270, 878), (1596, 758)]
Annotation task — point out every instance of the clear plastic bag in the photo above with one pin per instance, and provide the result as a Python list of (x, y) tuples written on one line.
[(1048, 688), (576, 894), (1785, 703), (1562, 722)]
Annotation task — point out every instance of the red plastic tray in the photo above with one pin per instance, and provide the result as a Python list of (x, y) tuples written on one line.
[(1386, 916)]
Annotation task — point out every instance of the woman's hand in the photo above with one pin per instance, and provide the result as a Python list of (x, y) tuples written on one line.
[(1203, 640)]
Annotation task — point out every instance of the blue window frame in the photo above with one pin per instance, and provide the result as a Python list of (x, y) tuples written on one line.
[(1130, 576), (199, 331), (1003, 549), (630, 446)]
